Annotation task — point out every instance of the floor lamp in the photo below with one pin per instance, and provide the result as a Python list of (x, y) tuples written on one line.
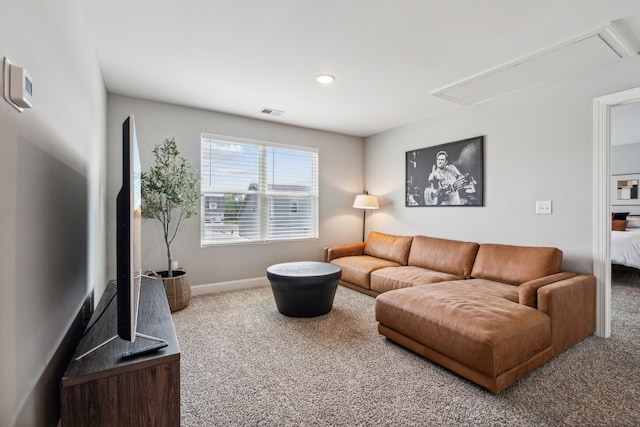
[(364, 202)]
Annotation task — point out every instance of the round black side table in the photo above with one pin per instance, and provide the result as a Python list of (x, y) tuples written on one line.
[(304, 289)]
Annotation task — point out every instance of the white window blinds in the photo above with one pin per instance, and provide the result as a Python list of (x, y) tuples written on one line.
[(254, 191)]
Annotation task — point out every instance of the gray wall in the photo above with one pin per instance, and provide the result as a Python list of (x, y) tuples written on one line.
[(340, 173), (52, 173), (538, 146), (625, 159)]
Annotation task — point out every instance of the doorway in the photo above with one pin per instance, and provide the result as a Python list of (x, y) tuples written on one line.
[(602, 203)]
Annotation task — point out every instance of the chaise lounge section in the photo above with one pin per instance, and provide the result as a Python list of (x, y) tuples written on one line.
[(491, 313)]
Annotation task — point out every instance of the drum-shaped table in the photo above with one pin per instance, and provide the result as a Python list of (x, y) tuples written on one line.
[(304, 289)]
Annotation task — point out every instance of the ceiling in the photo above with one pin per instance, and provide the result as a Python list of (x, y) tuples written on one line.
[(239, 57)]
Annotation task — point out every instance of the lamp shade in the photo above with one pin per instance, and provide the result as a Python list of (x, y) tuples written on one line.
[(366, 201)]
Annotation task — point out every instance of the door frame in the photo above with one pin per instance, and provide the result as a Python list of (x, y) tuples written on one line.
[(602, 202)]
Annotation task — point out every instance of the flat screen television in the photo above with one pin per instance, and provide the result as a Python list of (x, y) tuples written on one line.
[(129, 246), (129, 235)]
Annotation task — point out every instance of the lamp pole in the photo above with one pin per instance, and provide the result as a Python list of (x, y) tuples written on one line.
[(364, 202)]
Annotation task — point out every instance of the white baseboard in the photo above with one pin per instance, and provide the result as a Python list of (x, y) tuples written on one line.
[(232, 285)]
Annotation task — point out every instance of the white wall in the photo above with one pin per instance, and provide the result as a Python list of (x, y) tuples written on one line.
[(340, 173), (52, 174), (538, 146)]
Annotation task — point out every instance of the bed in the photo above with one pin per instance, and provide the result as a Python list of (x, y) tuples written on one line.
[(625, 245)]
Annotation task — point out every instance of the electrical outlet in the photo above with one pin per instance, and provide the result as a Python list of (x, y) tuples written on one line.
[(543, 207)]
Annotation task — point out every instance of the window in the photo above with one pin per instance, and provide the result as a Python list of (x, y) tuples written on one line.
[(254, 191)]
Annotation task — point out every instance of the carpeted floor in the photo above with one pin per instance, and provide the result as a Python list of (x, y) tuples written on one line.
[(245, 364)]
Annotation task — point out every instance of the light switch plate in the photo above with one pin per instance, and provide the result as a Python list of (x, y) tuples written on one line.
[(543, 207)]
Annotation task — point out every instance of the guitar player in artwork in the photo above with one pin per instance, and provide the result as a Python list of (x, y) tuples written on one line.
[(445, 182)]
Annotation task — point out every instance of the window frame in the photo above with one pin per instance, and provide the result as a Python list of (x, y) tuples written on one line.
[(266, 196)]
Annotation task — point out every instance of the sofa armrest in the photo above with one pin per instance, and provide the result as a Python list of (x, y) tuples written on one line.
[(528, 291), (351, 249), (571, 305)]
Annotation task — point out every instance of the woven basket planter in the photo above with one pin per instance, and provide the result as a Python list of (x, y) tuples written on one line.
[(177, 288)]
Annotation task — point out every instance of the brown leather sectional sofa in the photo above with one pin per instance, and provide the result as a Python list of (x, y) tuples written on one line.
[(491, 313)]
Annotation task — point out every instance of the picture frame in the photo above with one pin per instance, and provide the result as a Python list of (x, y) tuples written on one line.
[(624, 189), (450, 174)]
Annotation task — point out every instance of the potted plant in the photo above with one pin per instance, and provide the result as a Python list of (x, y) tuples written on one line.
[(170, 194)]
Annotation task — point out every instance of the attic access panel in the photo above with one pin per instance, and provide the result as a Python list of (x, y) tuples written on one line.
[(557, 62)]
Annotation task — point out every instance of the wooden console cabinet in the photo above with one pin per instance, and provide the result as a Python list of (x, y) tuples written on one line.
[(101, 389)]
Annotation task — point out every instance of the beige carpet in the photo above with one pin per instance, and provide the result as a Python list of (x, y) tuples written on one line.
[(245, 364)]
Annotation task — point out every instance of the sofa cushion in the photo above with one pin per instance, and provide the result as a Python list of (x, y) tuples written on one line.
[(489, 287), (386, 246), (486, 333), (448, 256), (387, 279), (515, 264), (357, 269)]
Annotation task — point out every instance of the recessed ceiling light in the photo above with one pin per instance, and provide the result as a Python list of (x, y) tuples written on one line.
[(325, 79)]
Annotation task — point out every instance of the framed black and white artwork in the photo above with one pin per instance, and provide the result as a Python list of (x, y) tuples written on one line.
[(624, 189), (450, 174)]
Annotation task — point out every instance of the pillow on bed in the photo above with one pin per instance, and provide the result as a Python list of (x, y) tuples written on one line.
[(618, 225), (633, 221)]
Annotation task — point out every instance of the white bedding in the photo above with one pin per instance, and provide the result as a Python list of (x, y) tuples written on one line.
[(625, 247)]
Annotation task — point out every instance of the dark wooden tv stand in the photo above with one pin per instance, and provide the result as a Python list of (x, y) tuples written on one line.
[(101, 389)]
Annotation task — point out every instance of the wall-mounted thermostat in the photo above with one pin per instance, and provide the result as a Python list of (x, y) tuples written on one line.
[(18, 86)]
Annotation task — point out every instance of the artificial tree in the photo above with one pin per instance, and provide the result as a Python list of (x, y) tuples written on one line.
[(169, 192)]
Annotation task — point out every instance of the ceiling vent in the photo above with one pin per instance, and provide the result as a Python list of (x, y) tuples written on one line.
[(571, 57), (272, 112)]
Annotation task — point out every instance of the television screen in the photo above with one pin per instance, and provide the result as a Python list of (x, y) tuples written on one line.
[(129, 223)]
